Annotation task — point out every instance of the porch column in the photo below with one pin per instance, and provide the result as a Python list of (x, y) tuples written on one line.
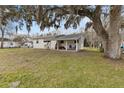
[(57, 45), (76, 45), (66, 45)]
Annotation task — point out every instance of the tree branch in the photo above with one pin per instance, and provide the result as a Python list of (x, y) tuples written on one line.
[(97, 24)]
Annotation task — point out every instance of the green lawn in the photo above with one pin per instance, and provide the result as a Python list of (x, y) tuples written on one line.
[(45, 68)]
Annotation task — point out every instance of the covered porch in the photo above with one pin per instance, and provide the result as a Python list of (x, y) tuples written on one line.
[(67, 45)]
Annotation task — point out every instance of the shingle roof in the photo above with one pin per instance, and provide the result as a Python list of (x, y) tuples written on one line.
[(48, 38), (70, 37), (60, 37), (35, 38), (64, 37)]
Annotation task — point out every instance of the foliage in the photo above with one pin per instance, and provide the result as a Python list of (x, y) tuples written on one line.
[(51, 16)]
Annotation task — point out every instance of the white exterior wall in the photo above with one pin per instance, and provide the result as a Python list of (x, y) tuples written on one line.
[(40, 44), (14, 44), (27, 45), (78, 45), (52, 44), (7, 44), (44, 45), (81, 43)]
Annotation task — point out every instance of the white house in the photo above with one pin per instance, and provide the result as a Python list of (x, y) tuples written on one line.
[(6, 44), (27, 44), (38, 42), (9, 43), (69, 42), (73, 42), (14, 44)]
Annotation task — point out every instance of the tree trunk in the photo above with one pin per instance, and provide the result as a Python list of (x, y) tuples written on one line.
[(111, 39), (112, 47), (2, 38), (114, 40)]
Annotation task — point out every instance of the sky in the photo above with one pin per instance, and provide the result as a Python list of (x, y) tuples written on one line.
[(35, 30)]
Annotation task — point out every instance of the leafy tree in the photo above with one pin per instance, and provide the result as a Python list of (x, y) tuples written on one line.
[(7, 14), (48, 16), (91, 37), (52, 16)]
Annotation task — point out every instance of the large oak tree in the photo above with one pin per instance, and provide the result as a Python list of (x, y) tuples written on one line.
[(48, 16), (52, 16)]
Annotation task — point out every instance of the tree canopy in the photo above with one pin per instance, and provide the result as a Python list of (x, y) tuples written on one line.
[(48, 16)]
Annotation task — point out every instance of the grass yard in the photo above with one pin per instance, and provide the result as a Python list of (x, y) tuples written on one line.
[(45, 68)]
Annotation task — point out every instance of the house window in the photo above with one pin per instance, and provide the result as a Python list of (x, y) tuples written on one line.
[(11, 43), (77, 41), (37, 41), (62, 41)]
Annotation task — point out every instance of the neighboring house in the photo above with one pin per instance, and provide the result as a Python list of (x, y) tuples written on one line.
[(6, 43), (61, 42), (9, 43)]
